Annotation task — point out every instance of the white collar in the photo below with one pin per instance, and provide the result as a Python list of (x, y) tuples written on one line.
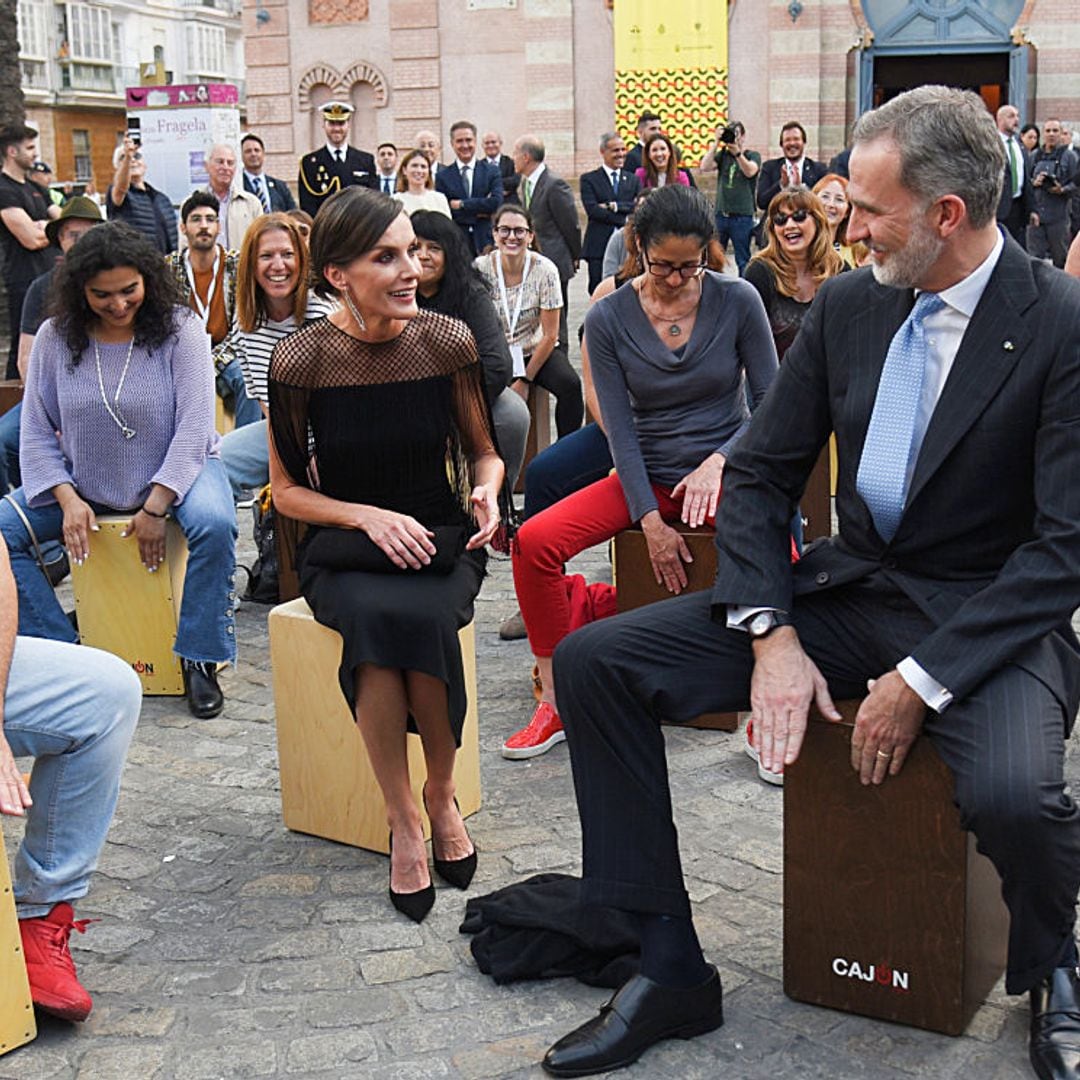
[(344, 148), (470, 164), (965, 295), (536, 173)]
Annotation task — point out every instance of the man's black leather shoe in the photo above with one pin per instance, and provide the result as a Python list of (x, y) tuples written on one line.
[(641, 1013), (204, 697), (1055, 1026)]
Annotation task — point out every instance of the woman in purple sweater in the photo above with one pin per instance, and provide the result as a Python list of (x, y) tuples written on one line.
[(118, 417)]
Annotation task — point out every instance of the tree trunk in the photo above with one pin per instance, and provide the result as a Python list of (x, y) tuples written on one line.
[(12, 105)]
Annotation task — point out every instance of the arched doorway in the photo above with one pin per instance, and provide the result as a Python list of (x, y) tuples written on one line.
[(964, 43)]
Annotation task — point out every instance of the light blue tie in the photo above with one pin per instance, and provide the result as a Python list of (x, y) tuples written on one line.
[(883, 468)]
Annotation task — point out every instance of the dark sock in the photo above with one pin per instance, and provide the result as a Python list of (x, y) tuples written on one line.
[(670, 951), (1069, 957)]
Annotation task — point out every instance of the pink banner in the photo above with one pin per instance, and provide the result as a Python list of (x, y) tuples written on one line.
[(194, 95)]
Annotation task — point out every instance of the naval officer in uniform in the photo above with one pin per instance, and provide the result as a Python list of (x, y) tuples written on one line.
[(336, 165)]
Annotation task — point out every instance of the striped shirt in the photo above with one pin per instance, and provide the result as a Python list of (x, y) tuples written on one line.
[(255, 347)]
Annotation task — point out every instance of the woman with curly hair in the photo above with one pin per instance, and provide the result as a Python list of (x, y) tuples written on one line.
[(660, 164), (798, 257), (831, 189), (124, 374)]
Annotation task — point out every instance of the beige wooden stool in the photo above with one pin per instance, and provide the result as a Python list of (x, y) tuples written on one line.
[(889, 911), (224, 420), (327, 786), (17, 1025), (128, 611)]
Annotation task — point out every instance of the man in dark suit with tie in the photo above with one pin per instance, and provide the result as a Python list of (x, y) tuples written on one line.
[(274, 194), (1017, 201), (607, 193), (492, 143), (472, 186), (549, 200), (386, 157), (944, 602), (336, 165), (792, 168)]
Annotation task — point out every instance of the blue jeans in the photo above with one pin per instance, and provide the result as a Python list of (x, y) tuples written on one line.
[(9, 449), (74, 711), (738, 228), (574, 462), (245, 410), (246, 457), (207, 518)]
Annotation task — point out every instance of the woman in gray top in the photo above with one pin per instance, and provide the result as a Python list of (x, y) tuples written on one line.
[(670, 353)]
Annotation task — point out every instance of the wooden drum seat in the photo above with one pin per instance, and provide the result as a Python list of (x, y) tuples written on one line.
[(539, 438), (17, 1025), (889, 911), (125, 609), (327, 786), (636, 586)]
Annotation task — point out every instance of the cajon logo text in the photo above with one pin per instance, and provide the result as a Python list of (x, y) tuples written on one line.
[(881, 974), (142, 667)]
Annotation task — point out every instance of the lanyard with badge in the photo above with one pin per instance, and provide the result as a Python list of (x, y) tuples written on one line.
[(201, 308), (517, 354)]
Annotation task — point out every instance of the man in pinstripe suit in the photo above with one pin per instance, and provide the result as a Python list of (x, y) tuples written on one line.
[(949, 587)]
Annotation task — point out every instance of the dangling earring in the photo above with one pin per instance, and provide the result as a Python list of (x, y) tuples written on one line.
[(353, 310)]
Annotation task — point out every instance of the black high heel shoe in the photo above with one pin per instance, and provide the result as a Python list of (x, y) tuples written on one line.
[(415, 905), (456, 872)]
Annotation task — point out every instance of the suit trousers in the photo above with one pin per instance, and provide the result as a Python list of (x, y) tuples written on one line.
[(616, 679)]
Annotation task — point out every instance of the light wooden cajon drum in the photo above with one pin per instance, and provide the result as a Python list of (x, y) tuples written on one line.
[(128, 611), (17, 1025), (327, 786), (539, 438), (224, 420), (635, 586), (889, 911)]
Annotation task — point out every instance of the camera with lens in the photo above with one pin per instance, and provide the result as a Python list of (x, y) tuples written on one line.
[(729, 134)]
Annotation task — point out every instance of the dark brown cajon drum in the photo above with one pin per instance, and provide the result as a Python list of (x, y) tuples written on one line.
[(11, 393), (636, 587), (539, 430), (888, 909), (816, 503)]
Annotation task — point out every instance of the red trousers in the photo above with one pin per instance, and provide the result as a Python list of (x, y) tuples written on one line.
[(548, 599)]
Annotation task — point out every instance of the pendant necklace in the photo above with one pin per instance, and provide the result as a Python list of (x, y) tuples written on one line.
[(674, 329), (114, 409)]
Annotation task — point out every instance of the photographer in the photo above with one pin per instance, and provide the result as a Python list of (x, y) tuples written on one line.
[(132, 200), (737, 170), (1053, 176)]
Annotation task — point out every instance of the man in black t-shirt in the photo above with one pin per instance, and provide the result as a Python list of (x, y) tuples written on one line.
[(23, 214)]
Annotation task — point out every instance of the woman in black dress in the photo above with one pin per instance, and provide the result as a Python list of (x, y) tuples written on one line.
[(381, 443)]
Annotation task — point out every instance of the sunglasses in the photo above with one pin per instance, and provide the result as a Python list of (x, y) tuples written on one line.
[(798, 216)]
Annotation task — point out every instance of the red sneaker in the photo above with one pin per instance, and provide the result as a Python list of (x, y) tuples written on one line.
[(544, 731), (54, 986)]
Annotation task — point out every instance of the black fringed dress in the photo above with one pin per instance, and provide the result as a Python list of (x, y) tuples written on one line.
[(392, 425)]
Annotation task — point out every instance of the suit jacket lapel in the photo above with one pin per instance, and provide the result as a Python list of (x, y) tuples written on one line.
[(993, 344)]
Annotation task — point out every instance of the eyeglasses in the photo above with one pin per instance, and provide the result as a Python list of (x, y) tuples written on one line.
[(518, 232), (798, 216), (666, 269)]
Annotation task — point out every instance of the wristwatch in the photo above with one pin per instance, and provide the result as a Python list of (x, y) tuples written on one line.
[(765, 622)]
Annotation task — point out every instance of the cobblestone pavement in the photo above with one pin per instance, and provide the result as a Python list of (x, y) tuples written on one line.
[(229, 947)]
